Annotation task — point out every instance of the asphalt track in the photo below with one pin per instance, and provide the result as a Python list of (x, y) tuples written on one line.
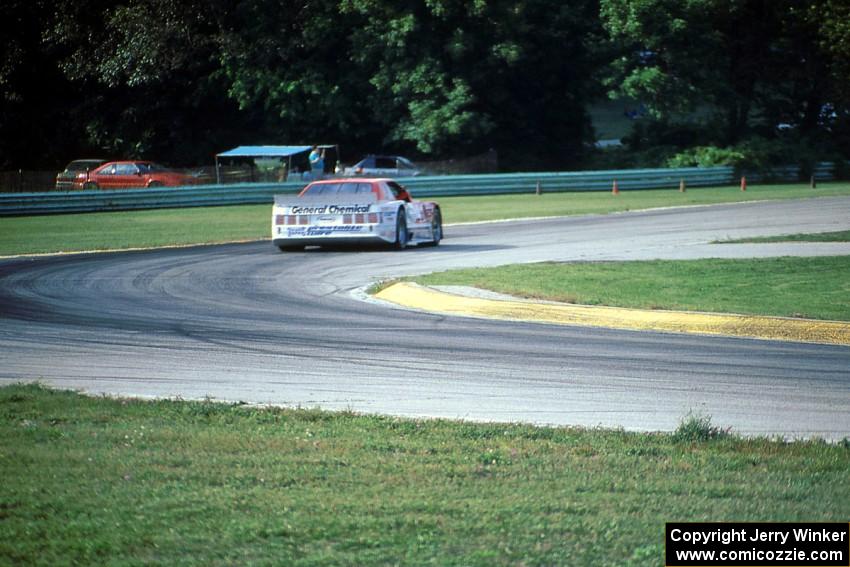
[(244, 322)]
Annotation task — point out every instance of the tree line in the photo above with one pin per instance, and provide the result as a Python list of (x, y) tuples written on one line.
[(179, 80)]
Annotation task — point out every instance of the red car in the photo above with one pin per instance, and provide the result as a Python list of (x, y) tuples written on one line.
[(129, 174)]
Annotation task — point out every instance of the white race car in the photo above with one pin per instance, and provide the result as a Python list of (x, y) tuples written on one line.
[(358, 210)]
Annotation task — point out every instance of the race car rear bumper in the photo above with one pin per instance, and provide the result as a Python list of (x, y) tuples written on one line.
[(287, 236)]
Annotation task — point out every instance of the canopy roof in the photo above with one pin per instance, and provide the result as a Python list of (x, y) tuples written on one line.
[(264, 151)]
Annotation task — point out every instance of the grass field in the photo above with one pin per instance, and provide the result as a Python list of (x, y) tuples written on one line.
[(124, 482), (840, 236), (468, 209), (139, 229), (133, 229), (816, 288)]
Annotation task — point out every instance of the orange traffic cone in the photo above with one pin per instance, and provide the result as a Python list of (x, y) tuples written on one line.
[(615, 190), (743, 183)]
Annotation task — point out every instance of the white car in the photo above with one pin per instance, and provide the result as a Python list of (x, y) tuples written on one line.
[(354, 211), (383, 166)]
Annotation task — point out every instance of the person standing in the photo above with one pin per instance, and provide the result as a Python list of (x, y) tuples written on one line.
[(317, 163)]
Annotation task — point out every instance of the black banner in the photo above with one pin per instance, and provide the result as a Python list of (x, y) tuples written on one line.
[(810, 544)]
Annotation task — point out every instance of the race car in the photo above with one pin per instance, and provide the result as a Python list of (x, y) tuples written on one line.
[(355, 211)]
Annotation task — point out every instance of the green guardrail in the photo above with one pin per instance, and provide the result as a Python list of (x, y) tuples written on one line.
[(572, 181), (19, 204)]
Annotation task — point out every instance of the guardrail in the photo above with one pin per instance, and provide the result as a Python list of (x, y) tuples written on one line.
[(19, 204), (627, 179), (822, 172)]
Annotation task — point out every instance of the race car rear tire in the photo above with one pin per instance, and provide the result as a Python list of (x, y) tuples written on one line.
[(401, 235), (436, 228)]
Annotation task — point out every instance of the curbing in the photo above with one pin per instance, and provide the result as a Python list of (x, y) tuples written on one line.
[(749, 326)]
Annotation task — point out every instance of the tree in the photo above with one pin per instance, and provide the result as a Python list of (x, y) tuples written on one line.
[(151, 74), (291, 61), (679, 56), (438, 77), (406, 51), (831, 19), (753, 64), (179, 80), (462, 76), (37, 102)]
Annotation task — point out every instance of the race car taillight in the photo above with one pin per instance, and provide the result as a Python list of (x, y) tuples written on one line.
[(359, 218), (346, 219), (373, 218), (286, 219)]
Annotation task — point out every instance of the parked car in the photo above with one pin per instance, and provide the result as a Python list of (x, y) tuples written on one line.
[(384, 166), (67, 179), (130, 174)]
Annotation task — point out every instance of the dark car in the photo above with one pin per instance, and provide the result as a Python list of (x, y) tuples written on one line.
[(77, 169), (132, 174)]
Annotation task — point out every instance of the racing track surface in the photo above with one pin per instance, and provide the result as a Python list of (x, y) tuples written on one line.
[(245, 322)]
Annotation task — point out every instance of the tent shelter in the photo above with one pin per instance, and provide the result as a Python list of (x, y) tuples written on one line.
[(283, 153)]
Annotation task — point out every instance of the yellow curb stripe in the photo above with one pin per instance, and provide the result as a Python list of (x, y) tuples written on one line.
[(773, 328)]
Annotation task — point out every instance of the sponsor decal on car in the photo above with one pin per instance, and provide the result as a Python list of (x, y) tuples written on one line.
[(330, 209), (322, 230)]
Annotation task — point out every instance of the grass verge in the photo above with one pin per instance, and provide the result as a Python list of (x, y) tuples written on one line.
[(133, 229), (840, 236), (104, 481), (169, 227), (814, 288)]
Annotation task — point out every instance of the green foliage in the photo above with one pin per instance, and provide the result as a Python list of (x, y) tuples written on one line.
[(757, 155), (183, 80), (661, 65), (625, 157), (696, 428), (755, 65), (831, 19), (179, 81), (450, 77), (33, 97), (706, 156), (441, 117)]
